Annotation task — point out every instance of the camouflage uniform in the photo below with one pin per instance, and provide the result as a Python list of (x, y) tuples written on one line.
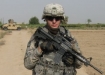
[(43, 63)]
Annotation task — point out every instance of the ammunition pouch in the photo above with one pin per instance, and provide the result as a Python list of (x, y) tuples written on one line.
[(50, 68)]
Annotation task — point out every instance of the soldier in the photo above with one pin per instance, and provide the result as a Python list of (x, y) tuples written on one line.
[(40, 53)]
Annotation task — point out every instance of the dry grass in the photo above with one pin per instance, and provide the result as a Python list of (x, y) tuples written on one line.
[(92, 44), (31, 31), (2, 34), (2, 42)]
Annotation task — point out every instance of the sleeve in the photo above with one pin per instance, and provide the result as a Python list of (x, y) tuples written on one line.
[(32, 54), (78, 64)]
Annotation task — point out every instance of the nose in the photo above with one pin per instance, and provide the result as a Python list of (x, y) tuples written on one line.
[(54, 20)]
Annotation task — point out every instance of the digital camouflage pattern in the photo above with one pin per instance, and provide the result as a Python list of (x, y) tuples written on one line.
[(43, 64), (53, 9)]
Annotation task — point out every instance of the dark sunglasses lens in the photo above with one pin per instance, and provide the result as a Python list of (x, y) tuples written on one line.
[(51, 18), (58, 18)]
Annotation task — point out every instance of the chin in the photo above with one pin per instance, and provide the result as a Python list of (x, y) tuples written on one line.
[(55, 26)]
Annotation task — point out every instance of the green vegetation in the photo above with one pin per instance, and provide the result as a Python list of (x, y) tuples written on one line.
[(34, 20), (69, 26), (0, 24), (89, 20)]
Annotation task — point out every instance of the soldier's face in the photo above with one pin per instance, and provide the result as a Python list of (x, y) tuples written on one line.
[(53, 22)]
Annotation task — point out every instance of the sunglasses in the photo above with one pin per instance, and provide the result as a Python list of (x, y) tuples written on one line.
[(50, 18)]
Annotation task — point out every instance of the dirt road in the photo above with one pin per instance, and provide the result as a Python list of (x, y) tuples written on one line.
[(12, 54)]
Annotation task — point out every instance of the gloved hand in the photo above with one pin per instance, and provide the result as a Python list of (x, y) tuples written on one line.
[(47, 46), (68, 59)]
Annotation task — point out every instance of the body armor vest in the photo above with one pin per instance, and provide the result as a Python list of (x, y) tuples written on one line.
[(47, 66)]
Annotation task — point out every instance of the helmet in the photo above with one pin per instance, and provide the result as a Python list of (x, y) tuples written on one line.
[(53, 10)]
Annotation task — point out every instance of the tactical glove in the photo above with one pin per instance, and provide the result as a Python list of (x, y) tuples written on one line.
[(47, 46), (68, 59)]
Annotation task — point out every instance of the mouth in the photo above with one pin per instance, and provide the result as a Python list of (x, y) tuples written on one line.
[(54, 25)]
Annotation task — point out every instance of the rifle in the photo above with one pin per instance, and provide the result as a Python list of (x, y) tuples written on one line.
[(63, 45)]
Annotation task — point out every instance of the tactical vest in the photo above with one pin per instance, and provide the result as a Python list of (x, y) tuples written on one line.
[(47, 66)]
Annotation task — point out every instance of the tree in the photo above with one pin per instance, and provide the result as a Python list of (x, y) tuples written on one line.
[(34, 20), (89, 20), (0, 22)]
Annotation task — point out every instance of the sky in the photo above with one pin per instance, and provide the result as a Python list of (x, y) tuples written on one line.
[(78, 11)]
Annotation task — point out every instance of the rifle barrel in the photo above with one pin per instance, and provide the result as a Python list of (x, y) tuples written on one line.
[(96, 69)]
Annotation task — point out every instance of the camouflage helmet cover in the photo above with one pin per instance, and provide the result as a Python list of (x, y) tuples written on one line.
[(53, 10)]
